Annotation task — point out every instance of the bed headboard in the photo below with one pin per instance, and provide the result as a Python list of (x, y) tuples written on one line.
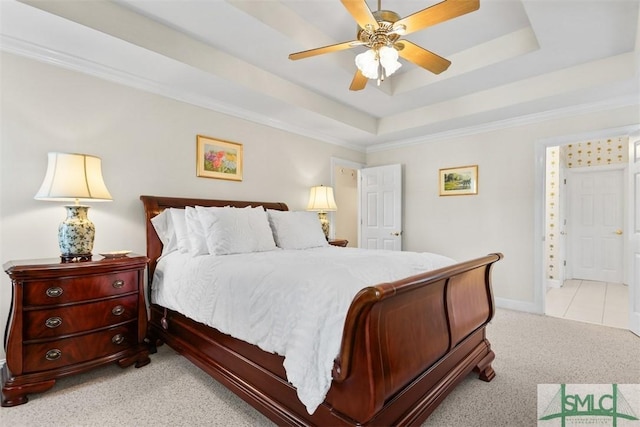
[(153, 205)]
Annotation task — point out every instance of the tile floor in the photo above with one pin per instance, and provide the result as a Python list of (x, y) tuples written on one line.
[(593, 302)]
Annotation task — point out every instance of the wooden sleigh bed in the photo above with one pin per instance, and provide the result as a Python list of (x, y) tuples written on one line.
[(405, 344)]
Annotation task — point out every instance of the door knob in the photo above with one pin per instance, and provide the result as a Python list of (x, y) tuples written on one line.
[(396, 233), (618, 232)]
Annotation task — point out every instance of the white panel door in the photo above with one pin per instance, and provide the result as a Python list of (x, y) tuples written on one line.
[(596, 225), (634, 233), (380, 190)]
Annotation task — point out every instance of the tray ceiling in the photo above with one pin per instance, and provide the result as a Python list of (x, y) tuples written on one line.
[(511, 61)]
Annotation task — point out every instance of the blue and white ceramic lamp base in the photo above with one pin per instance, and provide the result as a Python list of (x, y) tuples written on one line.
[(76, 234)]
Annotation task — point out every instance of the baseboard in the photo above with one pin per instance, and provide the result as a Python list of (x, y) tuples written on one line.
[(517, 305)]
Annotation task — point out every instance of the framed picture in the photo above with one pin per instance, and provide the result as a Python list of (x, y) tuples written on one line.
[(460, 181), (220, 159)]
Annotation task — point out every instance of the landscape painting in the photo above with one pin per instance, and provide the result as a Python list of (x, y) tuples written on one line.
[(459, 181)]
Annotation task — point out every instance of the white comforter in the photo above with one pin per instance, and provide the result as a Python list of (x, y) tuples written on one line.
[(288, 302)]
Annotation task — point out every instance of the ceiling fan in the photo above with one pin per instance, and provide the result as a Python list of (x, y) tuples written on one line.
[(381, 32)]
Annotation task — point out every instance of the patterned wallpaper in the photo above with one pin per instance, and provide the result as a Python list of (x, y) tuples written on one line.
[(552, 198), (596, 152)]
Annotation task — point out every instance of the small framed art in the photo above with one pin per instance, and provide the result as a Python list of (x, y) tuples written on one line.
[(216, 158), (459, 181)]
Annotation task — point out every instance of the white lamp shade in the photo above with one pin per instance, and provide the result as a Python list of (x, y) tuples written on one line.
[(321, 199), (72, 177)]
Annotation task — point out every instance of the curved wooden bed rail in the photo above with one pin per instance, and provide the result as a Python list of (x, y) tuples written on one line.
[(367, 297), (446, 310)]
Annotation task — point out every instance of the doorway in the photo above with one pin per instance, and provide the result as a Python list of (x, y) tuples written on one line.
[(584, 205), (344, 222), (346, 195), (369, 204)]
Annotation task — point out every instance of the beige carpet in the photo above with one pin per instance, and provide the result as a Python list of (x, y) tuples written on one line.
[(529, 349)]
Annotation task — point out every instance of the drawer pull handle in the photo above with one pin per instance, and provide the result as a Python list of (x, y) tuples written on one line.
[(118, 284), (54, 354), (117, 310), (117, 339), (53, 322), (54, 292)]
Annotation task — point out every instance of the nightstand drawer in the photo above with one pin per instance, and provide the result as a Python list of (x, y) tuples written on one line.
[(55, 322), (65, 352), (48, 292)]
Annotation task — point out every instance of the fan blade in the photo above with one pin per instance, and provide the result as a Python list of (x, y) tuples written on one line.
[(361, 13), (437, 13), (325, 49), (422, 57), (359, 81)]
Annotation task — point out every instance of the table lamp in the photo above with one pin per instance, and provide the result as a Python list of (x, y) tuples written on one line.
[(74, 177), (321, 200)]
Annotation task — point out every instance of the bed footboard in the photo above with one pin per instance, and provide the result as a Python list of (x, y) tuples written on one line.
[(417, 337)]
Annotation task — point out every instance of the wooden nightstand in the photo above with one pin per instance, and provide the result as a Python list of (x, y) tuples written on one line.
[(67, 318), (339, 242)]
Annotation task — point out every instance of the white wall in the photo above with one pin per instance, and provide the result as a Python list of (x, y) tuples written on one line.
[(501, 217), (147, 144)]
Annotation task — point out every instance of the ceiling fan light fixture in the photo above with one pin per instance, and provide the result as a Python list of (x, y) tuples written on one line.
[(367, 63), (370, 62)]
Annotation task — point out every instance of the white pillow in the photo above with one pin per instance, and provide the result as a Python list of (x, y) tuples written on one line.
[(195, 233), (164, 228), (232, 231), (180, 228), (296, 230)]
